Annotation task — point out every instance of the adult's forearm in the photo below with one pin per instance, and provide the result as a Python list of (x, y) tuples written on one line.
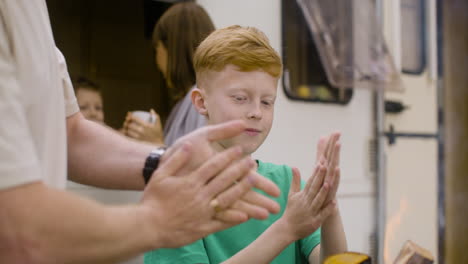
[(112, 160), (333, 239), (43, 225), (266, 247)]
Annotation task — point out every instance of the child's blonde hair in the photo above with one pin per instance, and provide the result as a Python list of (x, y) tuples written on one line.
[(245, 47)]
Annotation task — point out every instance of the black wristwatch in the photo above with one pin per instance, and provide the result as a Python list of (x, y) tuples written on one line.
[(152, 162)]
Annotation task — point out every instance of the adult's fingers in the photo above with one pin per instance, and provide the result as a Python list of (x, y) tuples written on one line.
[(255, 198), (266, 185), (221, 163), (227, 197), (232, 216), (176, 161), (251, 210), (217, 225), (225, 130)]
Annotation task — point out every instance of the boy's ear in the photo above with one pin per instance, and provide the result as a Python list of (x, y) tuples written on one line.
[(198, 101)]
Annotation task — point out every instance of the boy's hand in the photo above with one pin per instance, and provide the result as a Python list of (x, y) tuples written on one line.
[(328, 148), (307, 209)]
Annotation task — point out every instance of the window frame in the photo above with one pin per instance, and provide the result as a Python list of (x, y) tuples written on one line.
[(423, 47), (286, 75)]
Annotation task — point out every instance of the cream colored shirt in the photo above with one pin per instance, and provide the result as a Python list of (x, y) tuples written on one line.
[(36, 96)]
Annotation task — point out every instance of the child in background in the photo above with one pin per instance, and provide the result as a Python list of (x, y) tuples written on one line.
[(89, 99), (237, 76)]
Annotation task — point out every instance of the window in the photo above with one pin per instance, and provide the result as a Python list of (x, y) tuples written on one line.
[(413, 49), (333, 46), (304, 76)]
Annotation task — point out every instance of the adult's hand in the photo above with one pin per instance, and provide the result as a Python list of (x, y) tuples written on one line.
[(252, 203), (178, 210)]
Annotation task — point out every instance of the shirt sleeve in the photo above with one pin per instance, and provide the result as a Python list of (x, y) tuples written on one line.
[(71, 105), (308, 244), (190, 254), (18, 157)]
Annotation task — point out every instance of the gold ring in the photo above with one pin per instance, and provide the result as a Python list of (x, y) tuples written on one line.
[(215, 204)]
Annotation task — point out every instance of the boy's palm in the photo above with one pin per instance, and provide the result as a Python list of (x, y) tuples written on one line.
[(328, 149), (307, 209)]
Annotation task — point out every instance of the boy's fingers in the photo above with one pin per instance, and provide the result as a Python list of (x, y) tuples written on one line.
[(327, 210), (321, 147), (333, 139), (262, 201), (328, 146), (176, 161), (336, 182), (311, 179), (225, 130), (331, 174), (296, 181), (317, 185), (320, 198), (336, 155)]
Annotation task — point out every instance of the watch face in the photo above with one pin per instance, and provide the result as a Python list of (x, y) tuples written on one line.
[(158, 151)]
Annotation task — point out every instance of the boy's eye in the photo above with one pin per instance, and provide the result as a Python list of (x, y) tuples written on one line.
[(239, 98), (267, 103)]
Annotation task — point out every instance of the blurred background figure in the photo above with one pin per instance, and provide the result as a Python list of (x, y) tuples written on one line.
[(175, 37), (89, 99)]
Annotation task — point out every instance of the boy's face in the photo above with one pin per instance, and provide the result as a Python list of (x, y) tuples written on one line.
[(90, 103), (232, 94)]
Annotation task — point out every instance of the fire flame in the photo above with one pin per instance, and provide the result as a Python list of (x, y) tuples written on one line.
[(390, 228)]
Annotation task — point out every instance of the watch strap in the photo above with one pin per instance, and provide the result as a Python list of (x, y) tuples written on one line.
[(152, 163)]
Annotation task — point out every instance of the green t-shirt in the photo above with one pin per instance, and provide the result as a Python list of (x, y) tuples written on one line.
[(222, 245)]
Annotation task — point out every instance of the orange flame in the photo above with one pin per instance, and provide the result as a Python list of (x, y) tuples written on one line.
[(392, 225)]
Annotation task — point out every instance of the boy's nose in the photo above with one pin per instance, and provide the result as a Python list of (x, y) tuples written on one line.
[(255, 112)]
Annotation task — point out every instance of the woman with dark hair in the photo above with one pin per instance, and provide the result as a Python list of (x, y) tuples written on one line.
[(175, 37)]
